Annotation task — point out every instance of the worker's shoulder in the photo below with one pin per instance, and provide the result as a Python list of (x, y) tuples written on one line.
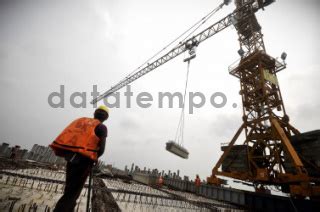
[(101, 130), (83, 118), (88, 119), (101, 125)]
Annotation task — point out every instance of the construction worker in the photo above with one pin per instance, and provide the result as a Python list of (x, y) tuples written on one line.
[(160, 181), (81, 144), (197, 182)]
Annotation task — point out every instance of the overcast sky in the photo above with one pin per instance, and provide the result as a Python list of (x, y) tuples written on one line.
[(78, 44)]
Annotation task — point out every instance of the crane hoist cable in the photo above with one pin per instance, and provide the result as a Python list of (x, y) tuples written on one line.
[(176, 146), (179, 138)]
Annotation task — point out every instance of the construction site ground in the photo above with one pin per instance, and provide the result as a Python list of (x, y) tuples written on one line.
[(27, 186)]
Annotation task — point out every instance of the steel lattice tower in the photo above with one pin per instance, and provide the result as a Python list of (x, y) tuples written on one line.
[(269, 155)]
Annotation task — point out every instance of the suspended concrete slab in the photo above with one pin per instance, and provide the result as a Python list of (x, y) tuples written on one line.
[(176, 149)]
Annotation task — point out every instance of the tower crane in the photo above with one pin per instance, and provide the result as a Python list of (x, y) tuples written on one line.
[(267, 156)]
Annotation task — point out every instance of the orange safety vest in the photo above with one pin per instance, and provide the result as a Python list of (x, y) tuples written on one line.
[(78, 137)]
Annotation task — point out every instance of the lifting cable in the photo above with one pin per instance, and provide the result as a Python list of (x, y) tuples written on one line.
[(180, 130)]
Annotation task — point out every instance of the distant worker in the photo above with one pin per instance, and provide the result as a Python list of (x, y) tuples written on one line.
[(160, 181), (14, 152), (81, 144), (197, 183)]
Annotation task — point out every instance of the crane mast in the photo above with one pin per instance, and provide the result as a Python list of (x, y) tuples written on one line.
[(266, 156)]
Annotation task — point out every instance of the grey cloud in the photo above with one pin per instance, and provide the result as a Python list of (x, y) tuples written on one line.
[(130, 123), (306, 117), (224, 126)]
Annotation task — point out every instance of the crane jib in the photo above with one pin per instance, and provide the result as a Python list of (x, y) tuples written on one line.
[(195, 40)]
